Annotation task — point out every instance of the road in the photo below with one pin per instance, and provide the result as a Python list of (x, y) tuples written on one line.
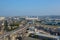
[(12, 32)]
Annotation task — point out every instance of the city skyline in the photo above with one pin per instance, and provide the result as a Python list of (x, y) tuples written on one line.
[(29, 7)]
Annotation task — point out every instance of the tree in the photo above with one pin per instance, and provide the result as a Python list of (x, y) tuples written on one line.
[(6, 25)]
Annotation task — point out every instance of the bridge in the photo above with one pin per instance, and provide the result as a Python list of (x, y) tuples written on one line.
[(49, 36), (45, 35)]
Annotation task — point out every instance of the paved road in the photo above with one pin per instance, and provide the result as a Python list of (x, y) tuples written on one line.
[(14, 31)]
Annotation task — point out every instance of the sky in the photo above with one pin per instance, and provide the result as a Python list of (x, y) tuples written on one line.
[(29, 7)]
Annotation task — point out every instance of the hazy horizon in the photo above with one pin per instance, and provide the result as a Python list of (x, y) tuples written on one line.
[(29, 7)]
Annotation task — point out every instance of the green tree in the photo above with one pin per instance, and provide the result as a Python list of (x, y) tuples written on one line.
[(6, 25)]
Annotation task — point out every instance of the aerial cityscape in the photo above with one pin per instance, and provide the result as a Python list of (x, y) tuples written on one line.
[(29, 28), (29, 19)]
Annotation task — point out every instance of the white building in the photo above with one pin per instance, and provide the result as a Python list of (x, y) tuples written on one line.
[(31, 18), (2, 18)]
